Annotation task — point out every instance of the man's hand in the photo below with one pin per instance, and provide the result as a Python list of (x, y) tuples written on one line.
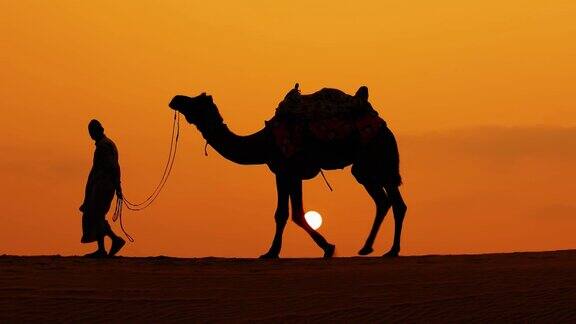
[(119, 194), (81, 208)]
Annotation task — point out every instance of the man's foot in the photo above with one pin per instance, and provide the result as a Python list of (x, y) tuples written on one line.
[(392, 253), (269, 255), (117, 244), (365, 250), (329, 251), (96, 255)]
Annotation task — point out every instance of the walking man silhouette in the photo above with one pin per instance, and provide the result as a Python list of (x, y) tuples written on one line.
[(103, 182)]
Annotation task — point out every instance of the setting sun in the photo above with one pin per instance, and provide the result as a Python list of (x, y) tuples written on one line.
[(314, 219)]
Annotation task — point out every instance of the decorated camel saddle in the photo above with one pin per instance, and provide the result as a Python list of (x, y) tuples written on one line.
[(324, 117)]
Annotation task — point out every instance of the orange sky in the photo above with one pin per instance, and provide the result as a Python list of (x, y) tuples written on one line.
[(480, 95)]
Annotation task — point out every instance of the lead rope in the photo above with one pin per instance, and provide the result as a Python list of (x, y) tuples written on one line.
[(120, 201), (167, 169)]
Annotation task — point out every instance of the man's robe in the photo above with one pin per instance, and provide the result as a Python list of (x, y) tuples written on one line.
[(103, 180)]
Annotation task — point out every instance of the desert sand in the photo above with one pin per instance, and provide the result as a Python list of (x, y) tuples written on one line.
[(539, 286)]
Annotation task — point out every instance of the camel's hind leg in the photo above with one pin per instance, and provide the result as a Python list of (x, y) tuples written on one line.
[(382, 206), (399, 208), (377, 166)]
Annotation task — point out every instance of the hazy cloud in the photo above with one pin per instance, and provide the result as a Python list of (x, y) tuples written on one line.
[(39, 161), (522, 171), (497, 143)]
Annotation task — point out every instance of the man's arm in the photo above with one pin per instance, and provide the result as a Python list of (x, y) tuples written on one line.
[(110, 160), (105, 159), (119, 193)]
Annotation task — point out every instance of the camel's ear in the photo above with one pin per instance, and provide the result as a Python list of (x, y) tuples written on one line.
[(203, 94), (362, 93)]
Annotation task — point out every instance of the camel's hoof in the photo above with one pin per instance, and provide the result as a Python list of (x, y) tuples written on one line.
[(365, 251), (329, 251), (269, 256), (391, 254)]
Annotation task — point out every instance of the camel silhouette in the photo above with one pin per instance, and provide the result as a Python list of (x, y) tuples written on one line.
[(325, 130)]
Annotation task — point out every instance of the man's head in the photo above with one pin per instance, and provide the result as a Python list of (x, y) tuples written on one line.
[(95, 130)]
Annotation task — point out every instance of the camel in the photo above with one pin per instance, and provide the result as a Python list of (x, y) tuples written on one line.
[(325, 130)]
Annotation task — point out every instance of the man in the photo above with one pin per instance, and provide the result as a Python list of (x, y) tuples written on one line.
[(103, 182)]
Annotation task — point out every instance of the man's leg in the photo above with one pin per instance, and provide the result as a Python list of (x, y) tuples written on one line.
[(101, 252), (117, 241)]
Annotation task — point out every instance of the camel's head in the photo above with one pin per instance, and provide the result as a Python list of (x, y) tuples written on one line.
[(200, 109)]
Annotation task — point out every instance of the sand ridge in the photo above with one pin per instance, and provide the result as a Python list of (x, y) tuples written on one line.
[(536, 286)]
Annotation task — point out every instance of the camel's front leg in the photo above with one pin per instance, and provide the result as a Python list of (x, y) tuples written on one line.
[(281, 217), (298, 217)]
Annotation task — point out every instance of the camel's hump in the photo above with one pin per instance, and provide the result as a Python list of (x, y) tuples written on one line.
[(325, 103)]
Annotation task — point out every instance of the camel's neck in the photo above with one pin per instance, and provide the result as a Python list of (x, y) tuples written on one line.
[(250, 149)]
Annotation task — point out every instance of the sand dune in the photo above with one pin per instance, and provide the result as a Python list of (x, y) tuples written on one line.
[(492, 287)]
